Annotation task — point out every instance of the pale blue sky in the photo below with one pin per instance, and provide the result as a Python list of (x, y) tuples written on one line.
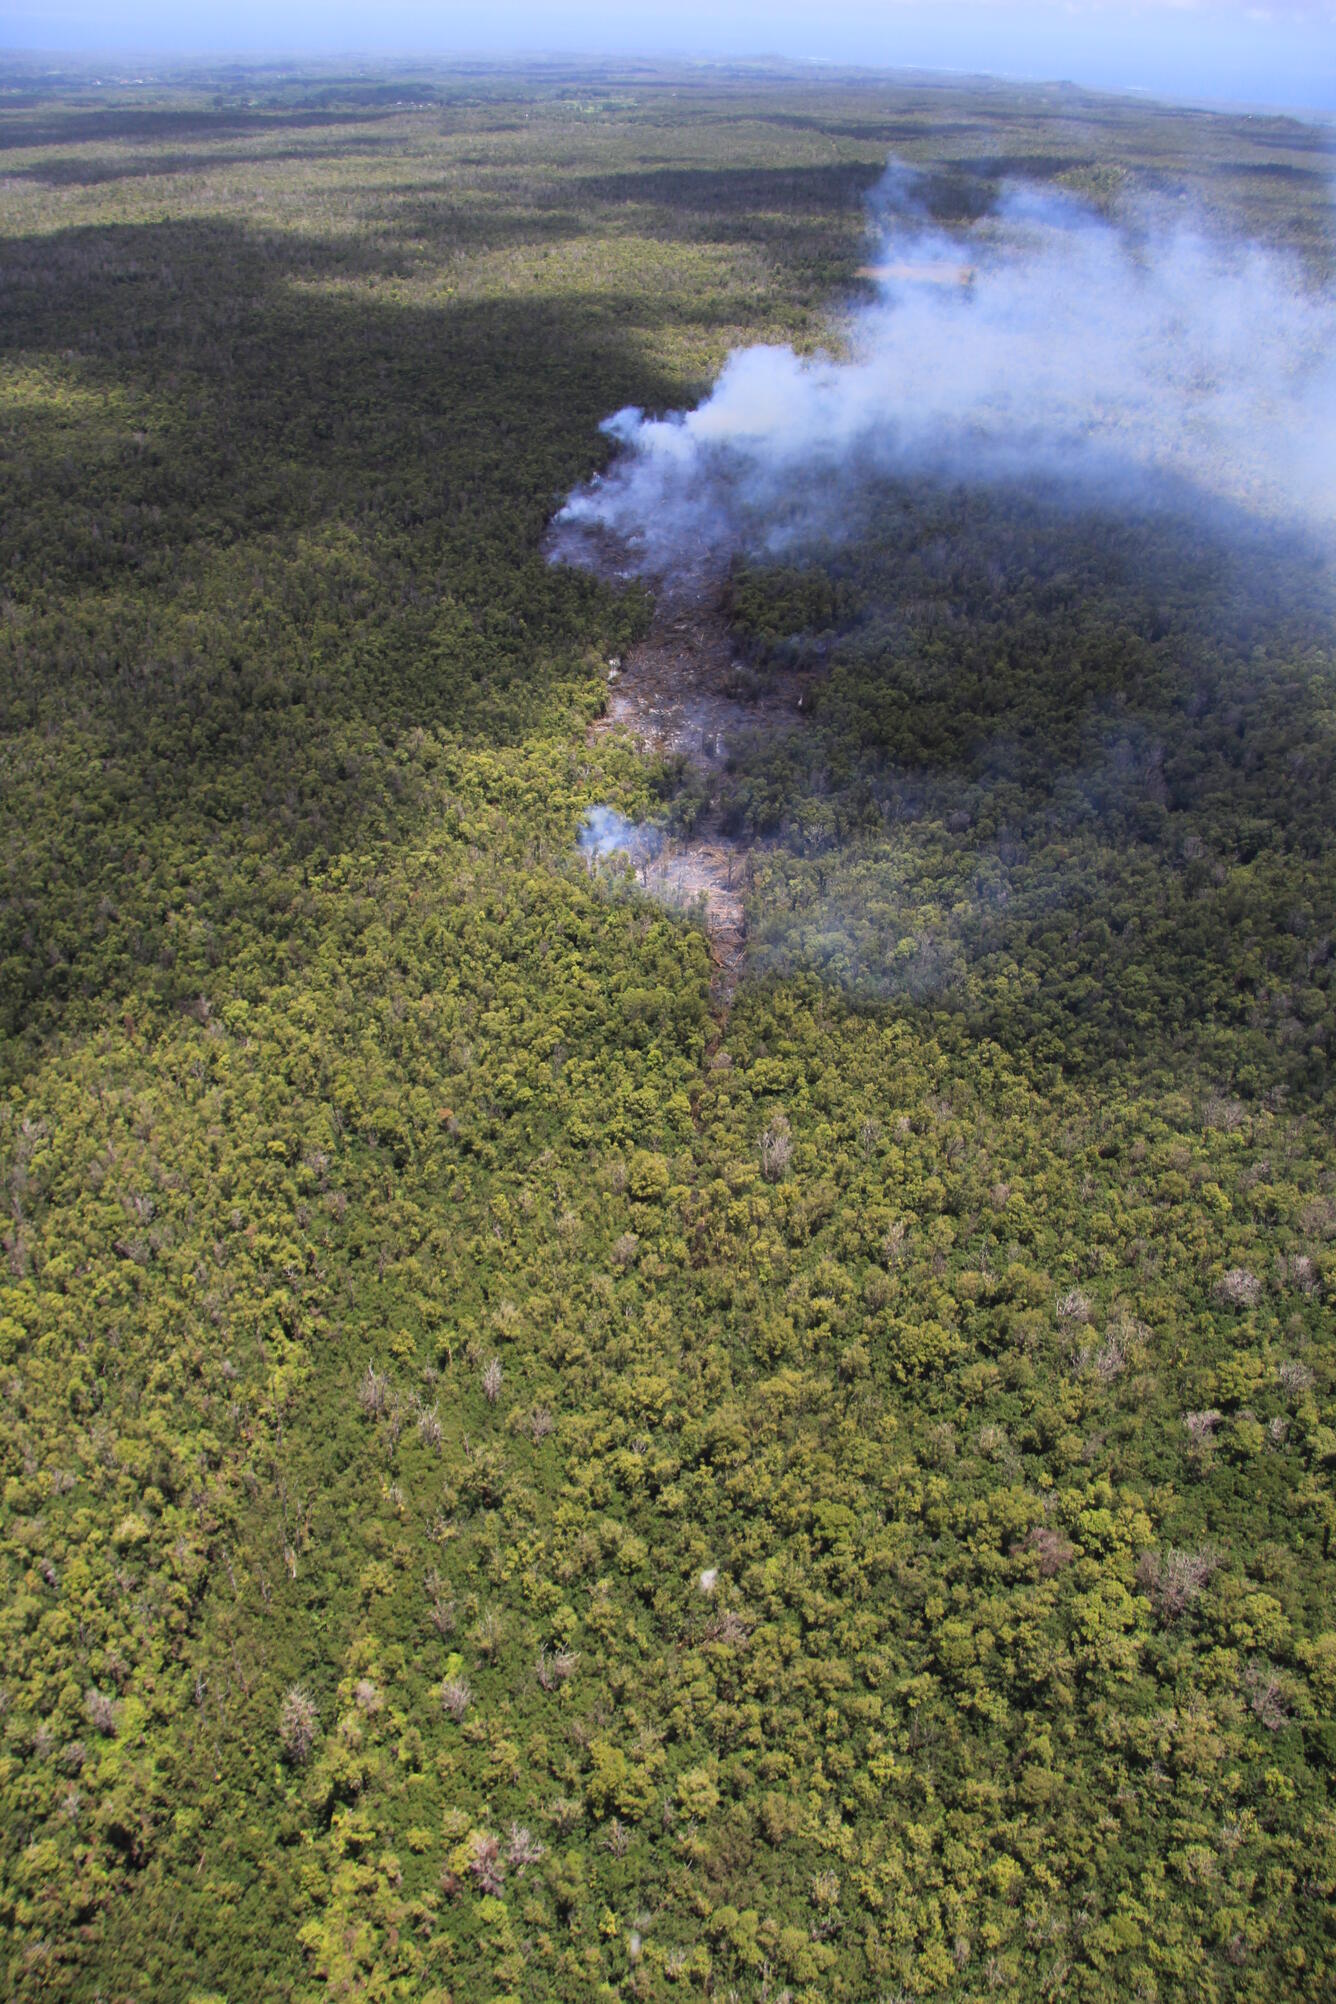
[(1281, 53)]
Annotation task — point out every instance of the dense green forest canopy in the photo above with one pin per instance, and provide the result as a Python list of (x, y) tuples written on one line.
[(519, 1483)]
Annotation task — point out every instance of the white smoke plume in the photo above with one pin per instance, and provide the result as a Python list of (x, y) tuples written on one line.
[(1141, 362), (604, 832)]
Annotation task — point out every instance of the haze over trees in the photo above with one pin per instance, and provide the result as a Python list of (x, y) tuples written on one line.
[(518, 1483)]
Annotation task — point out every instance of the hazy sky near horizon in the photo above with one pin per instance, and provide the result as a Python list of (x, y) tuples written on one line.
[(1277, 52)]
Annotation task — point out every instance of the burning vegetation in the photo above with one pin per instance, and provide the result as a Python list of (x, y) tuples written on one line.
[(520, 1482)]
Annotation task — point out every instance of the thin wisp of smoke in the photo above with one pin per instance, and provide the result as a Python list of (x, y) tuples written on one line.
[(1145, 363)]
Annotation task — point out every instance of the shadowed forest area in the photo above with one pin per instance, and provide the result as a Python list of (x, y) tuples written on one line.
[(523, 1482)]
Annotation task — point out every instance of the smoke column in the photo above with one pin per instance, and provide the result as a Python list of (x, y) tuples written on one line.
[(1148, 364)]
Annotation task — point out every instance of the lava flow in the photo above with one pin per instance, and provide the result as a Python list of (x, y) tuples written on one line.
[(682, 693)]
